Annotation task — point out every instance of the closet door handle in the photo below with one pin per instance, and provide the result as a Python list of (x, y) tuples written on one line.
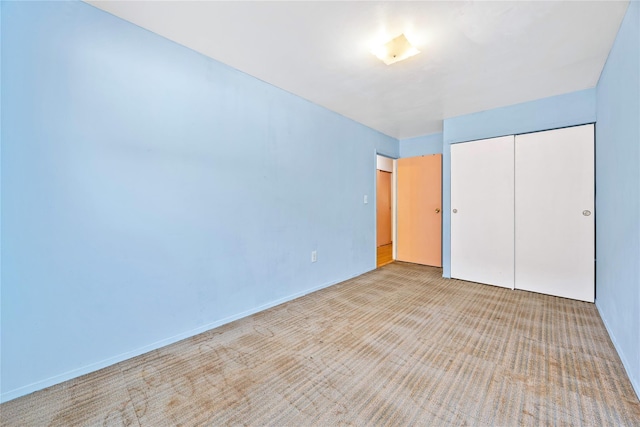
[(437, 210), (586, 212)]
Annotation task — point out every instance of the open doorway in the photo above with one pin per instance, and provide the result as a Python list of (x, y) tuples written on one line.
[(384, 211)]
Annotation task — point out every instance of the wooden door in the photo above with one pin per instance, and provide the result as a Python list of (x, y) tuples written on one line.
[(383, 207), (419, 201), (555, 212), (482, 214)]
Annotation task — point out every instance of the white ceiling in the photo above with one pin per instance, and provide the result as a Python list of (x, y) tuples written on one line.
[(475, 55)]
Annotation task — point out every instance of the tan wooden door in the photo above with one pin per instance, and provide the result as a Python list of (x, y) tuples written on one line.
[(419, 199), (383, 207)]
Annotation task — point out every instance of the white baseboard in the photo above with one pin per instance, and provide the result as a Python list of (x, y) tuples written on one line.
[(39, 385), (634, 382)]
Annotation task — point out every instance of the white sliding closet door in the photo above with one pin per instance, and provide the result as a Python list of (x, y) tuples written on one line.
[(554, 212), (482, 241)]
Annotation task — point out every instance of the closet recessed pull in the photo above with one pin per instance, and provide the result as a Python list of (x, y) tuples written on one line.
[(586, 213)]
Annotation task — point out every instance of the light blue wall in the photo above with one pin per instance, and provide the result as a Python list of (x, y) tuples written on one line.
[(150, 193), (547, 113), (618, 194), (421, 145), (559, 111)]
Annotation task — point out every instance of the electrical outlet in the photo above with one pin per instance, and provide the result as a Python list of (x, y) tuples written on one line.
[(314, 256), (366, 199)]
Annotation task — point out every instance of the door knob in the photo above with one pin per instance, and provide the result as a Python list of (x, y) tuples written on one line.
[(437, 210), (586, 213), (455, 211)]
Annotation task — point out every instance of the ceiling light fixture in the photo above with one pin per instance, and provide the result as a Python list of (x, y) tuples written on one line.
[(395, 50)]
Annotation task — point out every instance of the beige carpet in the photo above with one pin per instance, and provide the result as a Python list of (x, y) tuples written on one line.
[(397, 346)]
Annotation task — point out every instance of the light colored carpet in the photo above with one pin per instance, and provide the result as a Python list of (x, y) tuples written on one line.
[(396, 346)]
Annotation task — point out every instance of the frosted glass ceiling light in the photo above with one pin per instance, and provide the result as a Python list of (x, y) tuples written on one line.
[(395, 50)]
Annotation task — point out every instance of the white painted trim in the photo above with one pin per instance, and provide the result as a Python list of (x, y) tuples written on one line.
[(384, 163), (374, 197), (625, 363), (39, 385), (394, 210)]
